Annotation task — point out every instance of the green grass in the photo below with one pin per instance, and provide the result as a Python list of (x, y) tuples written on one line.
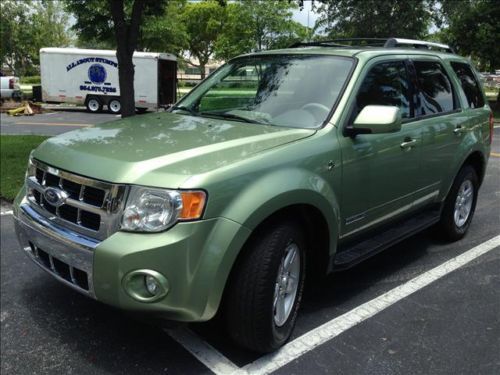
[(14, 152), (33, 80)]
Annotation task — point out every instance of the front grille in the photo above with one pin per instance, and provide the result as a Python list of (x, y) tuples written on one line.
[(92, 207), (56, 266)]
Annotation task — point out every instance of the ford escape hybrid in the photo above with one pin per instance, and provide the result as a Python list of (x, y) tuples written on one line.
[(280, 166)]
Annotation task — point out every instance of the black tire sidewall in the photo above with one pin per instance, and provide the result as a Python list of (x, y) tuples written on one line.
[(99, 109), (248, 309), (109, 106), (454, 232), (281, 334)]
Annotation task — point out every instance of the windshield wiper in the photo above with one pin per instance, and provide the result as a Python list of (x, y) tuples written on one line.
[(184, 108), (231, 116)]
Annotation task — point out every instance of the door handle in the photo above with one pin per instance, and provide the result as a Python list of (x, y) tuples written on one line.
[(408, 143), (458, 130)]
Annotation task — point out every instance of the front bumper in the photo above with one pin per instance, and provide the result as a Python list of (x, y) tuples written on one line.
[(195, 257), (66, 255)]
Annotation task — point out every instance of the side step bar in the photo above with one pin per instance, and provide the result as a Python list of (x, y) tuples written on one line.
[(354, 253)]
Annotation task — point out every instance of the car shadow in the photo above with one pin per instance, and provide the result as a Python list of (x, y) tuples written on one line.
[(338, 293), (121, 340), (102, 337)]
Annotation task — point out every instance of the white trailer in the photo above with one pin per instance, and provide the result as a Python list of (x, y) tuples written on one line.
[(90, 77)]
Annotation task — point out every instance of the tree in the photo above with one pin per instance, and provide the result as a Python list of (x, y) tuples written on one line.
[(257, 24), (375, 18), (165, 32), (26, 27), (93, 23), (472, 27), (204, 23)]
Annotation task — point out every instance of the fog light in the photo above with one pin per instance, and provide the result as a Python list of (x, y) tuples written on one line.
[(146, 285), (151, 285)]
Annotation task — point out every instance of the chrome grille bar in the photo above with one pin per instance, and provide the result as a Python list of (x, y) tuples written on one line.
[(92, 207)]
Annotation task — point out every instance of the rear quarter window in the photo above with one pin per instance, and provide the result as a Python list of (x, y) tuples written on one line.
[(469, 83), (435, 93)]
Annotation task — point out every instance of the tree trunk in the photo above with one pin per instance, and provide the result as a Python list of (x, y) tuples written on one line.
[(126, 42), (202, 70)]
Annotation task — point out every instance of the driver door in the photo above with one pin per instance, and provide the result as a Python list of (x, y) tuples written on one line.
[(380, 171)]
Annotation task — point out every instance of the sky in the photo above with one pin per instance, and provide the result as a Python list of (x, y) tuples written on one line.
[(302, 15)]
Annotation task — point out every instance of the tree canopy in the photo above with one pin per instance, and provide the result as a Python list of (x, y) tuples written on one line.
[(375, 18), (472, 27), (258, 24), (25, 27)]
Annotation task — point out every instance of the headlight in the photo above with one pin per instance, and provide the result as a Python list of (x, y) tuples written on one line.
[(154, 210)]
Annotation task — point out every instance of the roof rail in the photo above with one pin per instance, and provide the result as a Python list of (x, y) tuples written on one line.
[(319, 43), (399, 42), (375, 42)]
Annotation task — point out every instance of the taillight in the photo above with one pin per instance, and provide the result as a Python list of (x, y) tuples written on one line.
[(492, 121), (11, 83)]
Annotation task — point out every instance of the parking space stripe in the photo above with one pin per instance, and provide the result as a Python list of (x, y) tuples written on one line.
[(203, 351), (335, 327)]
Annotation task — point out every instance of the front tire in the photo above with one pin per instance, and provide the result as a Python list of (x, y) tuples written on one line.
[(266, 288), (94, 105), (459, 205)]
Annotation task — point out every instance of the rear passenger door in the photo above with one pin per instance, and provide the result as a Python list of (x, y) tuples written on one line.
[(437, 113)]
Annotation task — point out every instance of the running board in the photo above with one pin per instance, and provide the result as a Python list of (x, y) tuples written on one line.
[(355, 253)]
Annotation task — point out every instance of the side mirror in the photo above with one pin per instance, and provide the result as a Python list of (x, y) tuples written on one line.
[(376, 119)]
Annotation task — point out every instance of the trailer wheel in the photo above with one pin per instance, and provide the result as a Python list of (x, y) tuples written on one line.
[(94, 105), (114, 106)]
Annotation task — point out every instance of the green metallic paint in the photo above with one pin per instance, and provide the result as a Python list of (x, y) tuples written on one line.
[(194, 257), (160, 148)]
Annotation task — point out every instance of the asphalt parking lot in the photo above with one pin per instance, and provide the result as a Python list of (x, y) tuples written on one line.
[(447, 326), (53, 122)]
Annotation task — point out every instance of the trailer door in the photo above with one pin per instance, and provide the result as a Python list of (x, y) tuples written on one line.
[(167, 82)]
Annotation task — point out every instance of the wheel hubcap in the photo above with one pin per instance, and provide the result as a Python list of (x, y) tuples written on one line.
[(115, 105), (463, 204), (93, 105), (287, 284)]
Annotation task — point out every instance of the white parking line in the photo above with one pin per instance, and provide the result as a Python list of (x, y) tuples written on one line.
[(4, 213), (220, 365), (203, 351), (335, 327)]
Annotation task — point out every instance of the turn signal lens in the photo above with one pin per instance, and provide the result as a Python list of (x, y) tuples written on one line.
[(193, 203)]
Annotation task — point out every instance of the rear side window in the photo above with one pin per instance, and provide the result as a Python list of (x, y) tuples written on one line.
[(386, 84), (469, 83), (436, 94)]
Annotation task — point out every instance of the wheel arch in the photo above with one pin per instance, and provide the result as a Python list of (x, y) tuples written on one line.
[(317, 233), (477, 160)]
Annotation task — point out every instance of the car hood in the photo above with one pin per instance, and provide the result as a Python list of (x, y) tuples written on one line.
[(160, 149)]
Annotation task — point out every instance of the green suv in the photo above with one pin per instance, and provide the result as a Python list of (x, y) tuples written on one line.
[(281, 166)]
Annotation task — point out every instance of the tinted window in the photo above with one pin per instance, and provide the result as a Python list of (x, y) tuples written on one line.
[(436, 94), (386, 84), (469, 84)]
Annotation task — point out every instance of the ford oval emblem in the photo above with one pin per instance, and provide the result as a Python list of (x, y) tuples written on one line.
[(54, 196)]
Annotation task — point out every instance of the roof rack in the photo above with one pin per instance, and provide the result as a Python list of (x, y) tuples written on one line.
[(376, 42)]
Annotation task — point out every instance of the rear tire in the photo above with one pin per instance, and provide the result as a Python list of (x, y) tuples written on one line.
[(459, 205), (266, 288), (94, 105)]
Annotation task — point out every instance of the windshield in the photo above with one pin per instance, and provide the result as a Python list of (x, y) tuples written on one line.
[(293, 91)]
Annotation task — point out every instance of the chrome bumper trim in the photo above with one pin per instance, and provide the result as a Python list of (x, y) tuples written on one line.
[(73, 249)]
